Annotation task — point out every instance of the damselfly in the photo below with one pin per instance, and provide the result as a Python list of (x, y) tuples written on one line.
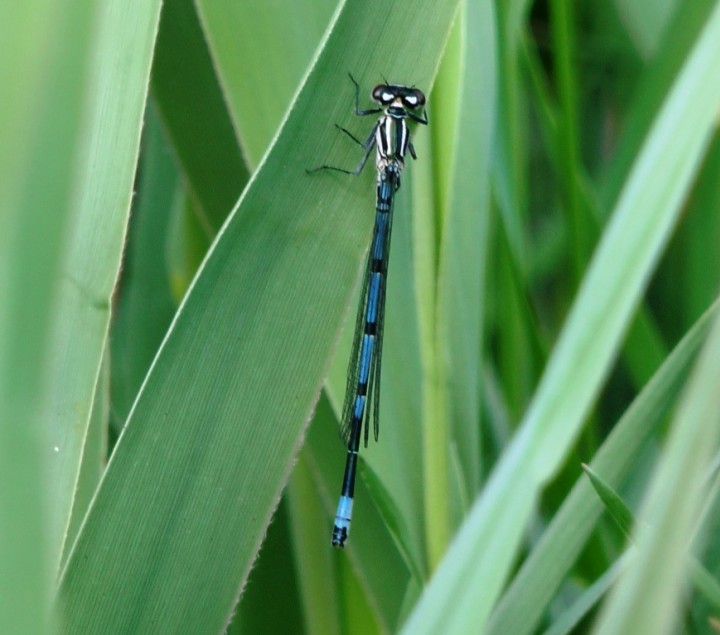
[(391, 137)]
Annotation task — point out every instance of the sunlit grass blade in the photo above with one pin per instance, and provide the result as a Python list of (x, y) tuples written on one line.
[(618, 510), (119, 85), (45, 51), (451, 200), (588, 599), (647, 597), (540, 576), (478, 562)]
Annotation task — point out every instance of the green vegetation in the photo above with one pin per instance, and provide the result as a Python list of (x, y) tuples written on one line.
[(174, 294)]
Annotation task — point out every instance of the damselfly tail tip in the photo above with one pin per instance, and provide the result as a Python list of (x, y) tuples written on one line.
[(342, 521), (339, 536)]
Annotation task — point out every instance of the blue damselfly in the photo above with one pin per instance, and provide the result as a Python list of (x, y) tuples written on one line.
[(391, 137)]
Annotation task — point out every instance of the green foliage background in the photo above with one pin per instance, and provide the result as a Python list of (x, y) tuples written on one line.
[(174, 289)]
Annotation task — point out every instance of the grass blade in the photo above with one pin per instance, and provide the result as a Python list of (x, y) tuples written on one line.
[(45, 49), (199, 468), (481, 555)]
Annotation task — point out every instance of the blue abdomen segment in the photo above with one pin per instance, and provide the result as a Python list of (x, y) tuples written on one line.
[(343, 516)]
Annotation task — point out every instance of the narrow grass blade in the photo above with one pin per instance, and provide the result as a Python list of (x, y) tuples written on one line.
[(614, 504), (476, 566), (523, 603), (250, 42), (647, 597), (371, 554), (144, 306), (570, 618), (191, 103)]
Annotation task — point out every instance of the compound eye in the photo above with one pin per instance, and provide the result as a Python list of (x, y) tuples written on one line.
[(414, 99), (383, 94)]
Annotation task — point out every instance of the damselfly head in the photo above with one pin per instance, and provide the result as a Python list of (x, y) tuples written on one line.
[(386, 94)]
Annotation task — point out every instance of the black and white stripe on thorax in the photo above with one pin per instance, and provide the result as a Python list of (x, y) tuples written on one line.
[(392, 140)]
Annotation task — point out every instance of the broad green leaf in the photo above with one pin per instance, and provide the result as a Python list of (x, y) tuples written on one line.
[(198, 470), (45, 51), (118, 82), (464, 252)]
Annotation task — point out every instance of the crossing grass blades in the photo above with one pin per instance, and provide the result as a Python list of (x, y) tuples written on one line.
[(390, 137)]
